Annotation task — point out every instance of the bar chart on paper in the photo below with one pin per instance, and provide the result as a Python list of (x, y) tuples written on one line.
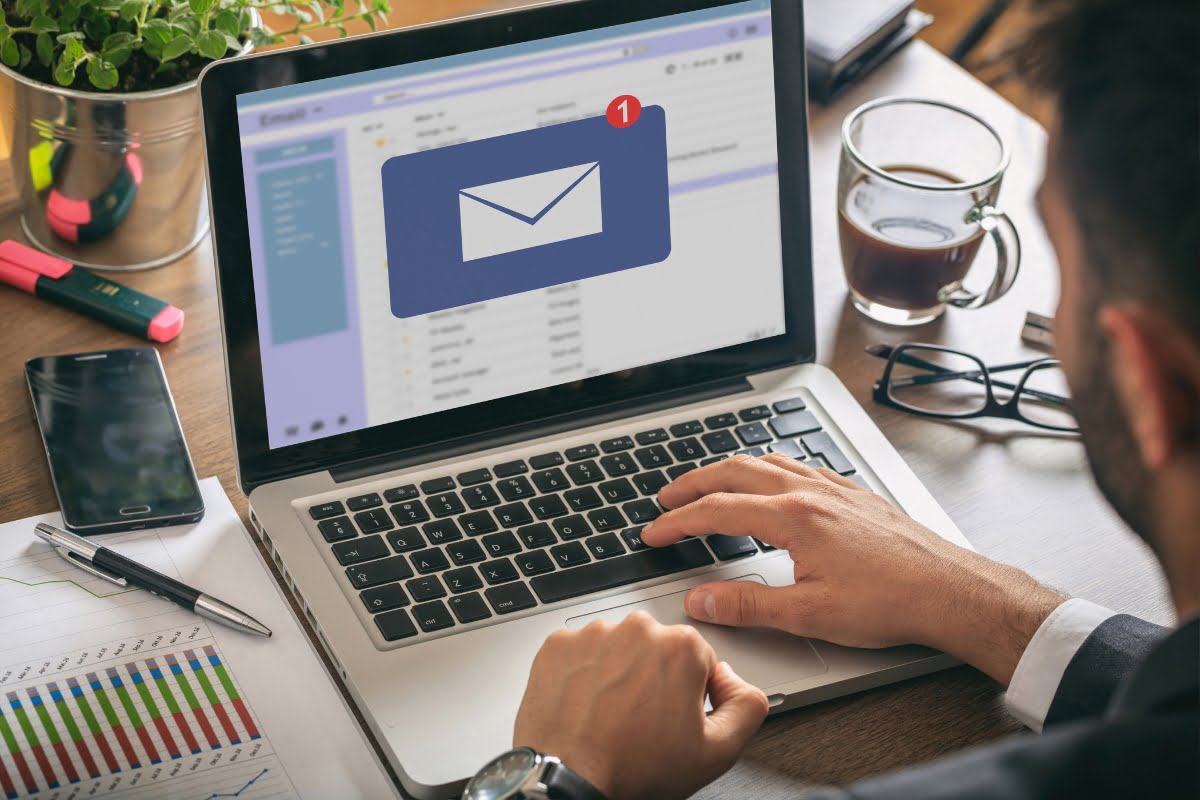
[(106, 691)]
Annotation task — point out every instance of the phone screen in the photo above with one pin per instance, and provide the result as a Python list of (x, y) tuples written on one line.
[(117, 454)]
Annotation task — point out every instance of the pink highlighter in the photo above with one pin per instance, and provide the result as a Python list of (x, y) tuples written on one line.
[(78, 289)]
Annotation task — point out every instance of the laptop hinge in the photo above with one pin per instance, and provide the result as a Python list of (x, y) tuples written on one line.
[(365, 468)]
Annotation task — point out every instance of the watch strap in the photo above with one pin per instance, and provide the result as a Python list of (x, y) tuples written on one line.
[(563, 784)]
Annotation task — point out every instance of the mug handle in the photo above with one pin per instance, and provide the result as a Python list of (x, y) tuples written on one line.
[(1008, 260)]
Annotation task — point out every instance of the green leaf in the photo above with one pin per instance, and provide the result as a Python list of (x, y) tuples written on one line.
[(26, 56), (10, 54), (74, 49), (305, 39), (201, 6), (43, 24), (45, 49), (130, 9), (181, 44), (118, 39), (260, 37), (164, 69), (212, 44), (186, 24), (64, 73), (318, 11), (101, 73), (232, 42), (5, 31), (3, 20), (371, 23), (227, 21), (119, 55)]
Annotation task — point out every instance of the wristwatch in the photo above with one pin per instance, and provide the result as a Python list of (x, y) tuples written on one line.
[(525, 774)]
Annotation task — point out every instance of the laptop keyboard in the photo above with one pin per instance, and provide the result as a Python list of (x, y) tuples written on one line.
[(481, 544)]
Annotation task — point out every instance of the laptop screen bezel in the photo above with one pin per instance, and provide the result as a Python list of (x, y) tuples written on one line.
[(224, 80)]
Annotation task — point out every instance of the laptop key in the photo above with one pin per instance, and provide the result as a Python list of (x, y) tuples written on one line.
[(584, 473), (373, 521), (501, 544), (535, 536), (445, 505), (816, 462), (617, 444), (766, 548), (535, 563), (550, 480), (401, 493), (822, 444), (680, 469), (790, 404), (642, 511), (652, 457), (405, 539), (570, 554), (789, 447), (464, 579), (572, 527), (472, 477), (442, 531), (469, 607), (688, 449), (606, 519), (619, 464), (705, 462), (499, 571), (612, 572), (408, 512), (356, 551), (427, 588), (751, 451), (583, 498), (652, 437), (633, 538), (720, 421), (437, 485), (794, 424), (384, 598), (481, 496), (511, 516), (604, 545), (326, 510), (731, 547), (395, 625), (477, 522), (432, 616), (690, 428), (582, 452), (548, 506), (373, 573), (507, 599), (720, 441), (467, 551), (649, 483), (618, 491), (515, 488), (861, 481), (753, 433), (751, 414), (429, 560), (336, 529), (364, 501), (510, 468), (546, 460)]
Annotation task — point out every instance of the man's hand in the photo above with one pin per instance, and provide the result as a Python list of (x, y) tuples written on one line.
[(866, 574), (623, 706)]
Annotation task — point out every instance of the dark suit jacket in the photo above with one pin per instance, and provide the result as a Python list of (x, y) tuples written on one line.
[(1124, 723)]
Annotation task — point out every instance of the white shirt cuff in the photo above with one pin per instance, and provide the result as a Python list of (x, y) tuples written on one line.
[(1040, 670)]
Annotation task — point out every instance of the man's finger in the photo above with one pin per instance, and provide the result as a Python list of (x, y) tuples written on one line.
[(731, 514), (738, 711), (740, 604), (737, 475)]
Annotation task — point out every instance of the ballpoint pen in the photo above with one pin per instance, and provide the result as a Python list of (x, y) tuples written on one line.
[(117, 569)]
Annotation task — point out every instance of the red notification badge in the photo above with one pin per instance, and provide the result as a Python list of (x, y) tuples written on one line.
[(623, 111)]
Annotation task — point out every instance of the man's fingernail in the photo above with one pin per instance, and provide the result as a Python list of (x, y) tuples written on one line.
[(702, 605)]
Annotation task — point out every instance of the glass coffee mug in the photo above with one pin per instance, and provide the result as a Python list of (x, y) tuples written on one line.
[(917, 188)]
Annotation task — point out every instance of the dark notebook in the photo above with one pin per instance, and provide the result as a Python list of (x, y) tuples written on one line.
[(847, 39)]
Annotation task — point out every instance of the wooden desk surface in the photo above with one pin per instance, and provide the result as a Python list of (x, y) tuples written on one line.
[(1020, 497)]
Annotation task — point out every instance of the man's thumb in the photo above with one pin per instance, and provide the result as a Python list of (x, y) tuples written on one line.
[(738, 710), (738, 603)]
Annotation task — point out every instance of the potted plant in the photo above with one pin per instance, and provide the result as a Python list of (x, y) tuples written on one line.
[(104, 122)]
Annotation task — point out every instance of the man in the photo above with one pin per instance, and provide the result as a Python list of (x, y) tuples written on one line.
[(623, 706)]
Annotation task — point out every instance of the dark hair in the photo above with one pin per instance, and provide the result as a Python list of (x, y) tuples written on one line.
[(1125, 75)]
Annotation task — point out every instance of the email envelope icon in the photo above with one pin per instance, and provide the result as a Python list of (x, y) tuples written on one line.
[(525, 211)]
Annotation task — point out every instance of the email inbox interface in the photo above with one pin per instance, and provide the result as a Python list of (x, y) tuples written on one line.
[(441, 234), (524, 211)]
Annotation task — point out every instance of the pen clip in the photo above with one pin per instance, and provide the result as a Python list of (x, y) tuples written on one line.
[(91, 568)]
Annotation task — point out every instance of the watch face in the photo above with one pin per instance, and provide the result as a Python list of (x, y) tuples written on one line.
[(502, 775)]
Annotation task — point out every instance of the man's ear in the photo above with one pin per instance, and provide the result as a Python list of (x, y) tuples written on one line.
[(1156, 372)]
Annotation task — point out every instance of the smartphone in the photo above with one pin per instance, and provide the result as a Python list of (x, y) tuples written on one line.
[(117, 454)]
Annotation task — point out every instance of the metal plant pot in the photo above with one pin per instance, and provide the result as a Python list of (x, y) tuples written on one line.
[(111, 181)]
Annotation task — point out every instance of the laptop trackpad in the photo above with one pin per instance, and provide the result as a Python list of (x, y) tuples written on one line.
[(762, 657)]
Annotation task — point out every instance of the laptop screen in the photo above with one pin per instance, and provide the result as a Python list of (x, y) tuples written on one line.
[(458, 230)]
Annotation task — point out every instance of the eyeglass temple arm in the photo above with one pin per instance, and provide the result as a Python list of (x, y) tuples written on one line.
[(943, 374)]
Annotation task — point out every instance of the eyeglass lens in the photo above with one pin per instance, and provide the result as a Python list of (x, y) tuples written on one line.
[(938, 382)]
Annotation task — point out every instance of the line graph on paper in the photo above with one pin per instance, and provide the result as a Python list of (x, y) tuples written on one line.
[(117, 693)]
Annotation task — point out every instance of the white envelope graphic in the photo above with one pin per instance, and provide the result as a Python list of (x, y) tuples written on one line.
[(530, 211)]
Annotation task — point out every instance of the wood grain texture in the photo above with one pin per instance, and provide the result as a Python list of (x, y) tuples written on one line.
[(1020, 497)]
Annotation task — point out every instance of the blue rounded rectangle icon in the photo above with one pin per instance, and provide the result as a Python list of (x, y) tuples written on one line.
[(525, 211)]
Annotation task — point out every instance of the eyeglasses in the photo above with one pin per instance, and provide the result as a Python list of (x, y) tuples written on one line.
[(940, 383)]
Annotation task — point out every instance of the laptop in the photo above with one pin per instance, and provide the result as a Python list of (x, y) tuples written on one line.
[(488, 285)]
